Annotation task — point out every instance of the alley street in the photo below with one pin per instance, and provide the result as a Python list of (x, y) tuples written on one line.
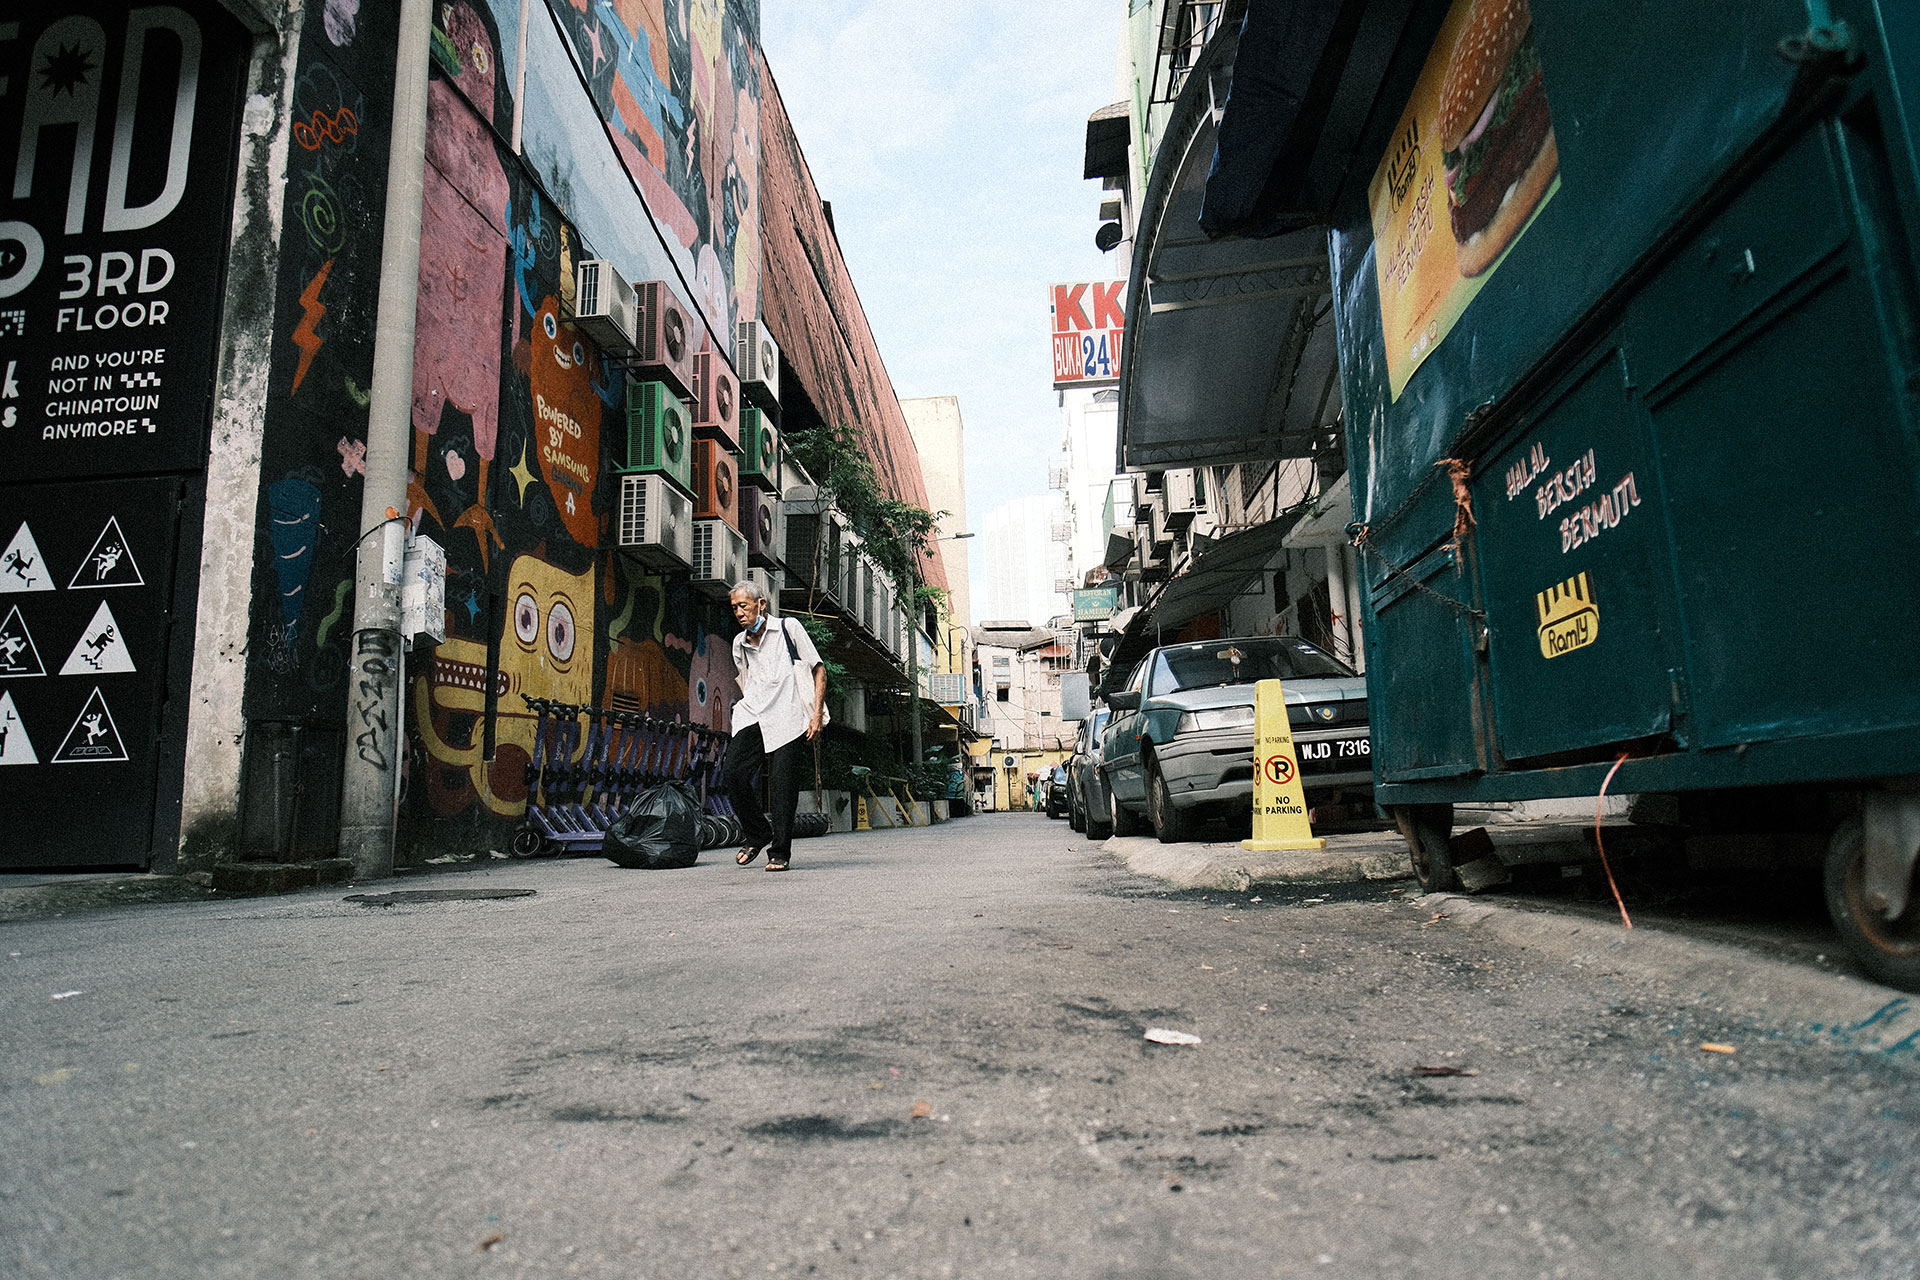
[(916, 1054)]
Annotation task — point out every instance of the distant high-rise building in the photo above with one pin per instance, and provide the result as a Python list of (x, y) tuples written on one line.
[(1025, 566)]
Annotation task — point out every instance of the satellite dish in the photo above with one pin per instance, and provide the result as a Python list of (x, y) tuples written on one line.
[(1107, 236)]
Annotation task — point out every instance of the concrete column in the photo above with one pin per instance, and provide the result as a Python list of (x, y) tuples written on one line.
[(1337, 601), (216, 728), (370, 783)]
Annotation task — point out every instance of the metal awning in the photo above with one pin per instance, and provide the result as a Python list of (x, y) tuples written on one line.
[(1216, 579), (1231, 353), (1219, 577), (1107, 137), (1325, 523)]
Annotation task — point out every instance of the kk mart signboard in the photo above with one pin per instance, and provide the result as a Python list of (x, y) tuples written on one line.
[(1089, 325)]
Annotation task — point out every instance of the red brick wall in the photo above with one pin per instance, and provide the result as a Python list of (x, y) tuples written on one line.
[(808, 301)]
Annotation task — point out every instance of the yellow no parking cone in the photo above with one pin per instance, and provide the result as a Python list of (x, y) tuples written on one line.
[(1279, 801)]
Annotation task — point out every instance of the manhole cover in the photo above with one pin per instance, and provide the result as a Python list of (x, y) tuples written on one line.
[(435, 895)]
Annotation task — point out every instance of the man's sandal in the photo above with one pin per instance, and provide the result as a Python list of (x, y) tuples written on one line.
[(775, 866), (747, 854)]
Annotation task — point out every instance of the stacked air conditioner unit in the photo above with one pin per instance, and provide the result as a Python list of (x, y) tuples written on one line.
[(763, 520), (716, 484), (1158, 532), (840, 563), (880, 622), (604, 305), (716, 399), (656, 522), (756, 357), (759, 450), (658, 436), (769, 581), (663, 337), (719, 557), (1185, 495)]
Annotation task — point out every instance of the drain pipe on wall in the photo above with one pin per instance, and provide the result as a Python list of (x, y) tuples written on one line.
[(370, 779)]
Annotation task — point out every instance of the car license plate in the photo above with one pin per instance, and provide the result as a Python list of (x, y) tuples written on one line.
[(1335, 755)]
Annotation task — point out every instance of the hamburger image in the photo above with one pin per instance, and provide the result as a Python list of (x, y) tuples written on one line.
[(1494, 130)]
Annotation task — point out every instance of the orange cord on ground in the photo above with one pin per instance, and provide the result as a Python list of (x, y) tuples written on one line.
[(1598, 807)]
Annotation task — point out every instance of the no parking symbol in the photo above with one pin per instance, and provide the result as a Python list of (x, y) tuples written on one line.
[(1279, 770)]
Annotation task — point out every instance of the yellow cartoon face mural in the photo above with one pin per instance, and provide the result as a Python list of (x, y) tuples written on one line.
[(546, 651)]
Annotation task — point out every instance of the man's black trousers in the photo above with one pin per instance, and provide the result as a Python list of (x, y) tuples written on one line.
[(746, 759)]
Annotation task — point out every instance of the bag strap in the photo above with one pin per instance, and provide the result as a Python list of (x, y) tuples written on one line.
[(793, 650)]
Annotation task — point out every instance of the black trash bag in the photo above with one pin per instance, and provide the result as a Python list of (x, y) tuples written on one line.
[(661, 831)]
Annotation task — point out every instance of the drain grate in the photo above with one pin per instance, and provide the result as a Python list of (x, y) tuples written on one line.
[(435, 895)]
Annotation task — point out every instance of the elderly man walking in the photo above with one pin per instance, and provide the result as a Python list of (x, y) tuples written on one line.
[(783, 690)]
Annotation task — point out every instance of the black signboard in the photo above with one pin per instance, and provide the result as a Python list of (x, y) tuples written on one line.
[(85, 581), (118, 128)]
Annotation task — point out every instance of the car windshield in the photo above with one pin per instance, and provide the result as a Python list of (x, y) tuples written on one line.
[(1215, 662)]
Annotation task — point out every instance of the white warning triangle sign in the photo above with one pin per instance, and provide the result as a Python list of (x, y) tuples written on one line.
[(22, 567), (101, 650), (19, 656), (94, 739), (15, 746), (110, 563)]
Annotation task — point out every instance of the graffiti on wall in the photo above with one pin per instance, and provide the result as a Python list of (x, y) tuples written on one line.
[(514, 411)]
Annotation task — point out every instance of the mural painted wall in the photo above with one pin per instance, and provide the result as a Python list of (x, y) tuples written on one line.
[(514, 412)]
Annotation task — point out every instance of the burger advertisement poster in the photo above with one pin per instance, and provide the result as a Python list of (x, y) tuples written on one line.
[(1471, 164)]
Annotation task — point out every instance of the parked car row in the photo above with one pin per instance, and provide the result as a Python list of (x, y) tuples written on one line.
[(1175, 746)]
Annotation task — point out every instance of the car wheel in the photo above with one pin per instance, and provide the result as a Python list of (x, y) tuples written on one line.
[(1168, 822), (1076, 814), (1889, 950), (1125, 821), (1426, 828)]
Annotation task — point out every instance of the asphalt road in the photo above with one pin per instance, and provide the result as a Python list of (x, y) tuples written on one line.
[(916, 1054)]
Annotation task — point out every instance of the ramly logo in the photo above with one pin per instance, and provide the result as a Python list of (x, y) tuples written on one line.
[(1569, 618)]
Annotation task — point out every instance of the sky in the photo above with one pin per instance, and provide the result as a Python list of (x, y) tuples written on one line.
[(949, 139)]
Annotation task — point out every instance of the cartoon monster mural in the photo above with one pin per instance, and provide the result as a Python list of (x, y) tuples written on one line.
[(566, 410), (713, 686), (463, 271), (546, 651)]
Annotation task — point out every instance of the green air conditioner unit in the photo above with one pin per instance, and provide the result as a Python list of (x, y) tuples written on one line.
[(759, 451), (659, 434)]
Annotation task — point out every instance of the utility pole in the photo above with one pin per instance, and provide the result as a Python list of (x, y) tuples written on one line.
[(370, 779), (913, 671)]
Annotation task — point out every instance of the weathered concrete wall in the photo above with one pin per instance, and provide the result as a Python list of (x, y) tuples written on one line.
[(216, 727)]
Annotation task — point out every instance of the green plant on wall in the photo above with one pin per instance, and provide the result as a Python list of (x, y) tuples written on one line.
[(897, 534)]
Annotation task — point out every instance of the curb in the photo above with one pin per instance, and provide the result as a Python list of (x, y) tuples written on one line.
[(1779, 997), (1347, 859)]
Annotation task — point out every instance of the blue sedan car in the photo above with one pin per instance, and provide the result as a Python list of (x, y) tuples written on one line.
[(1179, 746)]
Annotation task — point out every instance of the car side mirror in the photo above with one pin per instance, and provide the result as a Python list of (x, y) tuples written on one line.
[(1124, 700)]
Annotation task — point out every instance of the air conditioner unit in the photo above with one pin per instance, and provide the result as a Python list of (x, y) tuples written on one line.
[(1185, 496), (757, 358), (663, 336), (719, 557), (658, 436), (802, 546), (716, 483), (763, 519), (656, 522), (769, 581), (759, 450), (1157, 520), (880, 622), (716, 399), (844, 546), (604, 305)]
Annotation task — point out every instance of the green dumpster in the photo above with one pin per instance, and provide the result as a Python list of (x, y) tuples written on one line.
[(1629, 332)]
